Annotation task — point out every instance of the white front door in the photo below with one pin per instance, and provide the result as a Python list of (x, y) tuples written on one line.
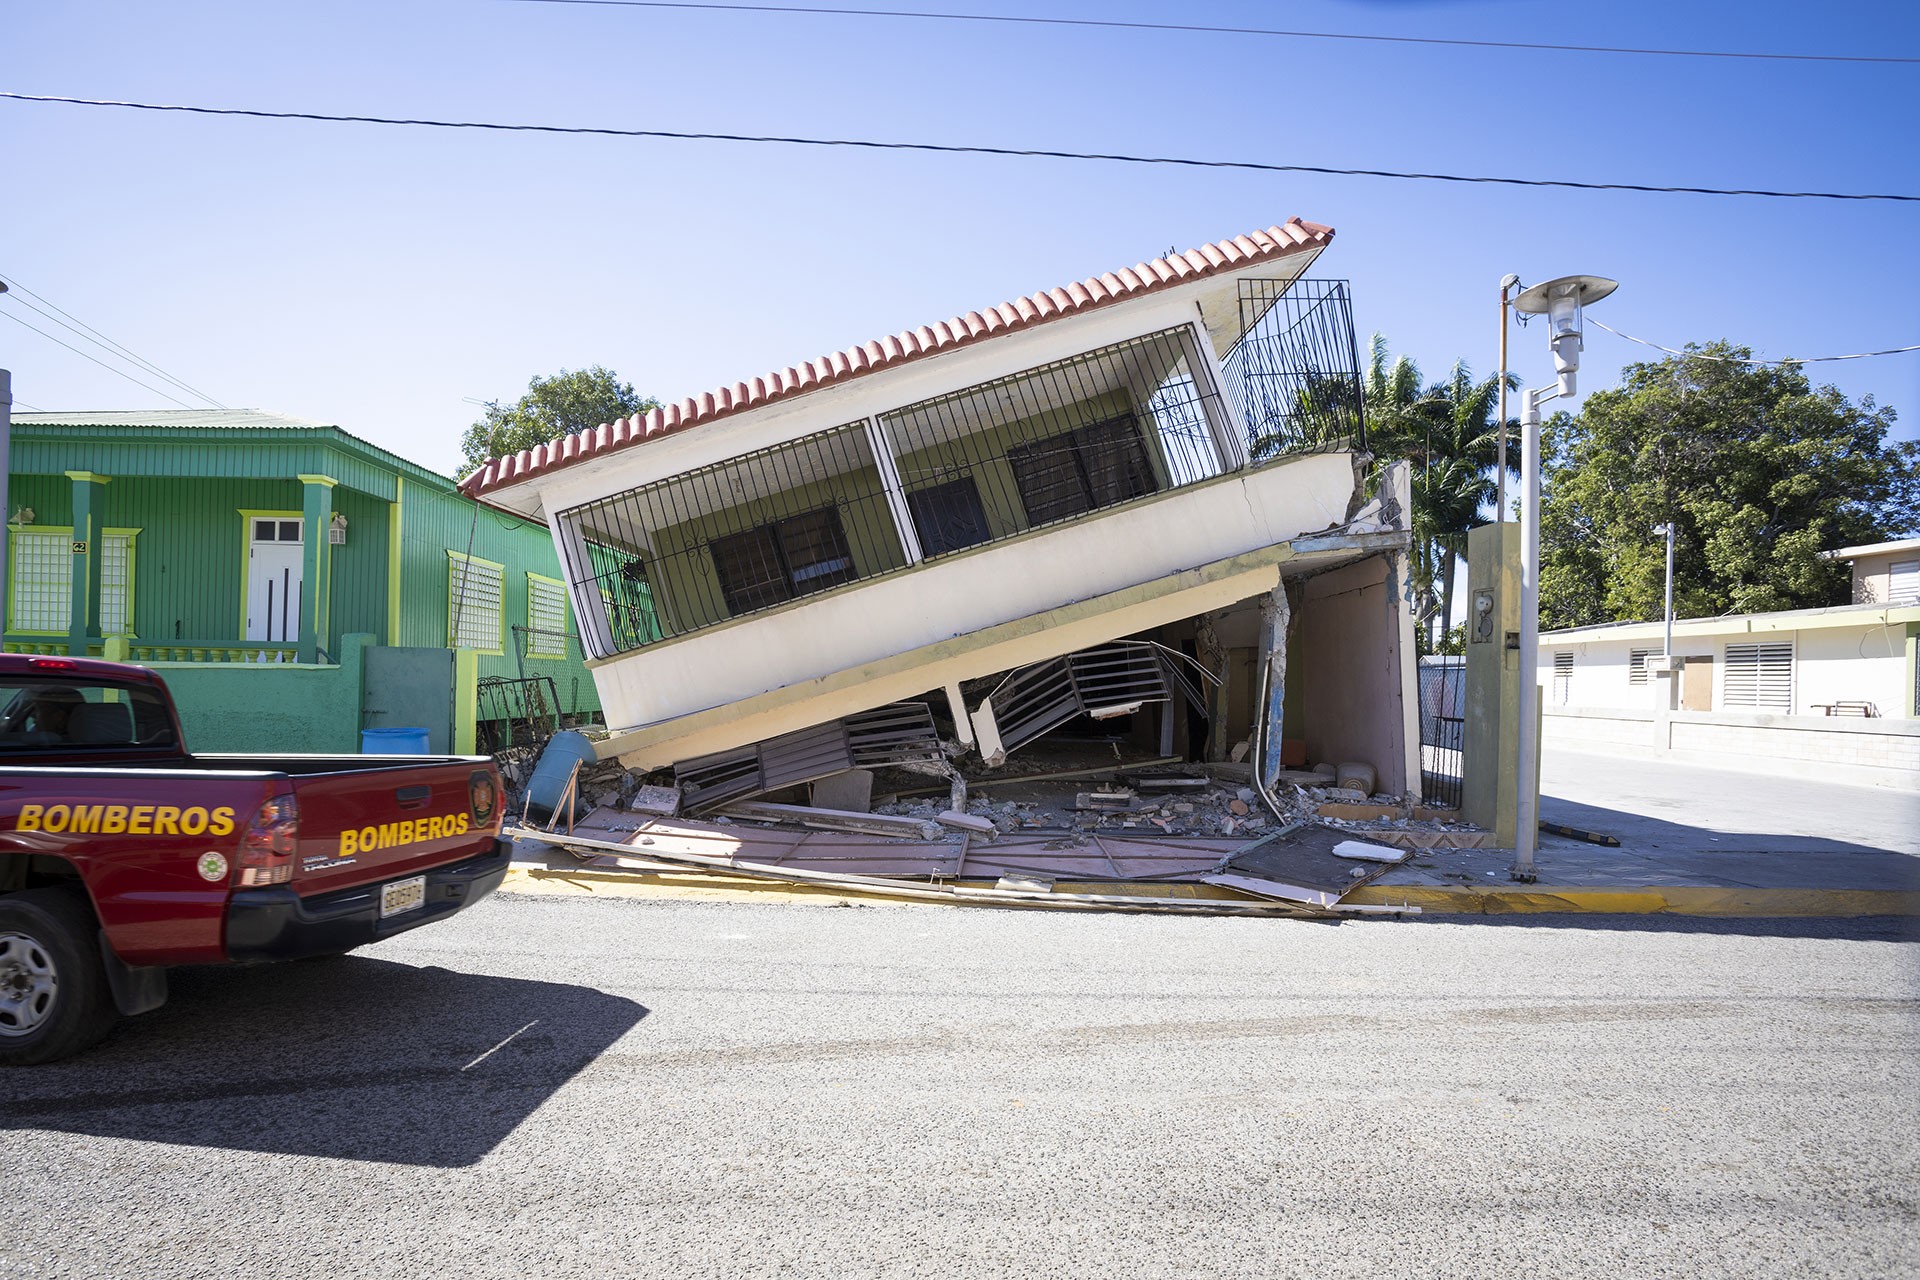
[(274, 558)]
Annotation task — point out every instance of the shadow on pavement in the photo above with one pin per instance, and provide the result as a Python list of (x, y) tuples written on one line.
[(1857, 929), (1640, 831), (353, 1058)]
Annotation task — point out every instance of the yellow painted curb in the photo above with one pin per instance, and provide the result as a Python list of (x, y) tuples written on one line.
[(1679, 900), (1682, 900)]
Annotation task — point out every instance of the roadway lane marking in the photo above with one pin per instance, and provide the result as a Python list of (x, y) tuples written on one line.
[(503, 1044)]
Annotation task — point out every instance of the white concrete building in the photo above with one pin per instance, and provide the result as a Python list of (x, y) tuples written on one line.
[(1830, 691), (1156, 454), (1883, 572)]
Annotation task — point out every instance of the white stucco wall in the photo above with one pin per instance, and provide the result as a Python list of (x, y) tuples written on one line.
[(958, 595), (1864, 662)]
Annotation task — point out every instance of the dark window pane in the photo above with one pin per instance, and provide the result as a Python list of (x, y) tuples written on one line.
[(948, 516), (816, 551), (1049, 479), (751, 575), (1116, 463), (289, 531), (263, 530)]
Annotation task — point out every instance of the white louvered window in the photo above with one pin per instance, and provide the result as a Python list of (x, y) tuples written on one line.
[(546, 618), (42, 580), (1562, 678), (474, 615), (1903, 582), (116, 584), (1759, 676), (1637, 665)]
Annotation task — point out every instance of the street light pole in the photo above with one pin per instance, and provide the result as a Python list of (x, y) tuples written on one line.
[(1560, 301), (1507, 282), (1666, 650)]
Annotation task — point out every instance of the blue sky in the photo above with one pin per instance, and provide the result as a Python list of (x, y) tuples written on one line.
[(384, 278)]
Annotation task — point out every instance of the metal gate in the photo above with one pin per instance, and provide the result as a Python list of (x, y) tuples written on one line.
[(1443, 697), (410, 689)]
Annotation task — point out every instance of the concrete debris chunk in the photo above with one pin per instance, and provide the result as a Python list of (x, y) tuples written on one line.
[(968, 822), (663, 801), (1369, 852)]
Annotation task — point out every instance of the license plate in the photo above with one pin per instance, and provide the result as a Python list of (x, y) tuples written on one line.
[(402, 896)]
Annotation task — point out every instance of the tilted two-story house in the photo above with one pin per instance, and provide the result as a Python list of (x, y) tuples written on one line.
[(1171, 455)]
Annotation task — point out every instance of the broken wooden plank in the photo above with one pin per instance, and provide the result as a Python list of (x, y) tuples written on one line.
[(834, 819)]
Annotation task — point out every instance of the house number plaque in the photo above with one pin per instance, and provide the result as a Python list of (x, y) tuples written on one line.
[(79, 547)]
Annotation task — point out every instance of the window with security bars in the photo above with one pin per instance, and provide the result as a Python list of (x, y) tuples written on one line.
[(474, 616), (1637, 665), (42, 581), (1562, 678), (1759, 676), (782, 560), (1081, 470), (546, 618)]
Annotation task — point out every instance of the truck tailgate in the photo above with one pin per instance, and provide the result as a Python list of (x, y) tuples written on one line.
[(379, 824)]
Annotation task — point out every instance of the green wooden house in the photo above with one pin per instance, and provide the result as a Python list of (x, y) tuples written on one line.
[(296, 583)]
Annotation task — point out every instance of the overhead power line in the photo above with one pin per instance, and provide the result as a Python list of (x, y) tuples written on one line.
[(1232, 31), (955, 149), (88, 333), (102, 363), (1698, 355)]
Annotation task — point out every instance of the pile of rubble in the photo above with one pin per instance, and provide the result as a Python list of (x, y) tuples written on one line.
[(1159, 798)]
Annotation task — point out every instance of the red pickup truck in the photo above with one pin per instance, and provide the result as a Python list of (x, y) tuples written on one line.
[(121, 853)]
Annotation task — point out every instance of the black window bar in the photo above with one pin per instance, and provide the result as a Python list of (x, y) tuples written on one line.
[(1294, 373), (729, 539)]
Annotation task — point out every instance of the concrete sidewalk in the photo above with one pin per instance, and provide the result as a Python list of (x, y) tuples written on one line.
[(1693, 841)]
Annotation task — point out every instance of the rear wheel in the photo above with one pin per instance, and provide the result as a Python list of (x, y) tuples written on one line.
[(54, 998)]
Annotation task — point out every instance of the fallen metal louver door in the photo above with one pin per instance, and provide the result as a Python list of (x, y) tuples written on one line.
[(1109, 680), (897, 733)]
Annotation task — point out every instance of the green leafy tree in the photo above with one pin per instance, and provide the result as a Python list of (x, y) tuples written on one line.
[(565, 404), (1758, 470)]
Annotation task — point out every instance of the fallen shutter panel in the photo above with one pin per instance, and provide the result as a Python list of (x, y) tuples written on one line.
[(892, 734)]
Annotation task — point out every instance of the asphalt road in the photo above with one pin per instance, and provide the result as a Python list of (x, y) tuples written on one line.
[(569, 1087)]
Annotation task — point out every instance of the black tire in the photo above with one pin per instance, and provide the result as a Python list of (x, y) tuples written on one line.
[(54, 998)]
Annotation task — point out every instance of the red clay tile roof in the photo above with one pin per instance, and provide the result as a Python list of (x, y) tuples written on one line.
[(1295, 236)]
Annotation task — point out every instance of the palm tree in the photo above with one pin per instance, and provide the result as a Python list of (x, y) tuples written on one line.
[(1448, 433)]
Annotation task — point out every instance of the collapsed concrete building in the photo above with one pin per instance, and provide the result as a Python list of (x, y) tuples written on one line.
[(1144, 497)]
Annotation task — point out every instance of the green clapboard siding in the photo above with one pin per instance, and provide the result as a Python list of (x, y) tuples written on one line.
[(184, 491)]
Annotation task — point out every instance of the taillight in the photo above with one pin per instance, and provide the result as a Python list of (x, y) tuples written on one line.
[(272, 838)]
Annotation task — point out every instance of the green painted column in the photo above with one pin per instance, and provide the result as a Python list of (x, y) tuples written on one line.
[(83, 611), (316, 581)]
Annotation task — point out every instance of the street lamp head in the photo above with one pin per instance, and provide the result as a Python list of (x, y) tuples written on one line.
[(1508, 280), (1561, 302)]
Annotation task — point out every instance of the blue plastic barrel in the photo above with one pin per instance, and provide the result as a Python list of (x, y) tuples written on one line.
[(549, 781), (393, 742)]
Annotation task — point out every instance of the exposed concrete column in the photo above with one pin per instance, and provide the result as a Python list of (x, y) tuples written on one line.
[(89, 537), (1217, 660), (316, 574), (1270, 721)]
